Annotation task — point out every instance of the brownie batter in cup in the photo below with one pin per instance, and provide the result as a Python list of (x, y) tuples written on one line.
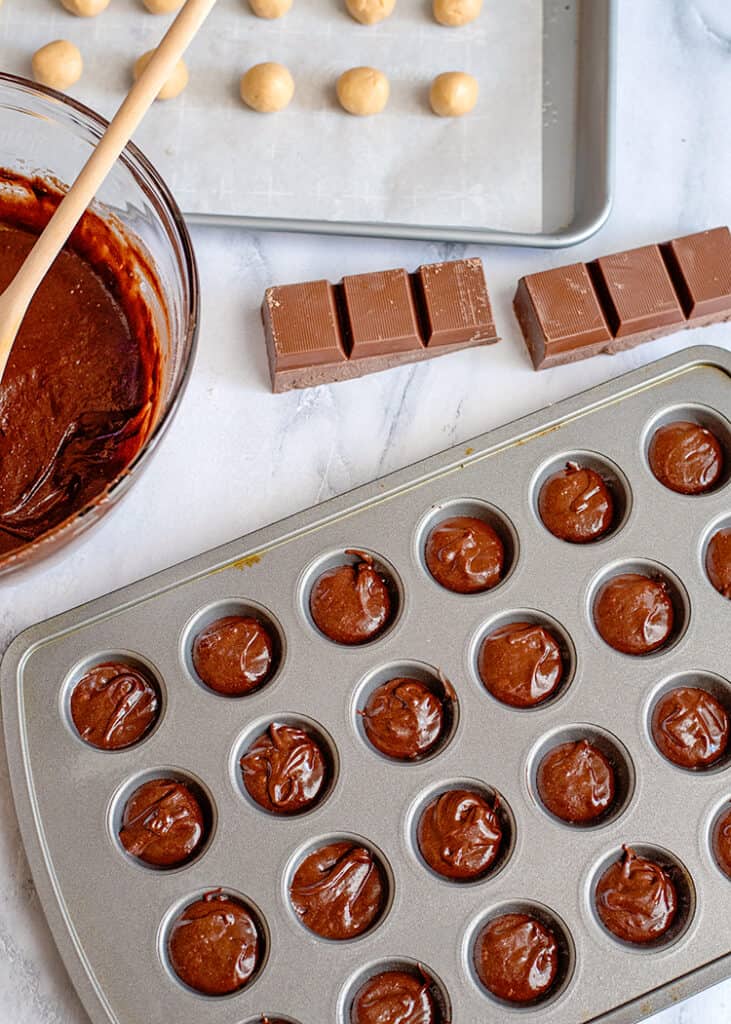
[(82, 386), (517, 958), (576, 782), (162, 824), (285, 770), (722, 843), (395, 997), (338, 891), (636, 899), (465, 555), (634, 613), (403, 719), (690, 727), (459, 835), (521, 664), (114, 705), (686, 457), (576, 505), (718, 561), (234, 655), (214, 945), (351, 604)]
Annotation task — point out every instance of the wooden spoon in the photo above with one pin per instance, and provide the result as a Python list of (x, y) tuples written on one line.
[(18, 295)]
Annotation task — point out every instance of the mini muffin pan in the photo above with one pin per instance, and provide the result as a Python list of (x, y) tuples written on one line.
[(111, 915)]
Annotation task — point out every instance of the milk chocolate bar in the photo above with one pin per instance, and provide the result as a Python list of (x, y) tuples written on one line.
[(318, 333), (617, 302)]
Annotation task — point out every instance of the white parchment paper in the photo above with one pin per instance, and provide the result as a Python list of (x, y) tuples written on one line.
[(313, 160)]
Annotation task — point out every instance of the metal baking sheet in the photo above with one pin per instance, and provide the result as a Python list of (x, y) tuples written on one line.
[(106, 912), (520, 185)]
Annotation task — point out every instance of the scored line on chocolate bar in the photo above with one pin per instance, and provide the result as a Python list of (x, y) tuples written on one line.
[(317, 332), (616, 302)]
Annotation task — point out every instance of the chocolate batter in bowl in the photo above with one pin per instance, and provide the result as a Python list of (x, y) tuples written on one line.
[(104, 354)]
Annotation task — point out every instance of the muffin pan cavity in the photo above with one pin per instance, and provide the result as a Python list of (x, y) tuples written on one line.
[(682, 882), (242, 903), (305, 761), (565, 954), (438, 997), (698, 727), (704, 416), (386, 599), (611, 475), (629, 626), (484, 512), (204, 622), (609, 746), (527, 619), (159, 816), (429, 797), (342, 879), (435, 724), (113, 700)]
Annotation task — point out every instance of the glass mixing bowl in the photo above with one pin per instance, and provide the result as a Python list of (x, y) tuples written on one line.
[(45, 133)]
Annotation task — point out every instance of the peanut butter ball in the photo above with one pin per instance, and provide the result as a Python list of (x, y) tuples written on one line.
[(370, 12), (363, 91), (267, 87), (58, 64), (162, 6), (85, 8), (270, 8), (454, 13), (453, 94)]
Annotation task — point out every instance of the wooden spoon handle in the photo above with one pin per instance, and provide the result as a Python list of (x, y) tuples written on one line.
[(17, 296)]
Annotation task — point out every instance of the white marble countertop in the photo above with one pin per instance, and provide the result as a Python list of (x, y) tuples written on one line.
[(237, 458)]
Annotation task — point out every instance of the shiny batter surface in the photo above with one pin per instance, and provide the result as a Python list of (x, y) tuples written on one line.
[(403, 719), (636, 898), (459, 834), (78, 395), (339, 891), (517, 958)]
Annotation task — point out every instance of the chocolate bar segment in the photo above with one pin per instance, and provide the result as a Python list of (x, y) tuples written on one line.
[(381, 314), (636, 291), (302, 325), (622, 300), (560, 315), (456, 302), (318, 333), (701, 268)]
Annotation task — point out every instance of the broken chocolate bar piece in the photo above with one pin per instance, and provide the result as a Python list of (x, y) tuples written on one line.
[(319, 340), (559, 314), (455, 301), (381, 314), (701, 268), (636, 291), (622, 300), (318, 333)]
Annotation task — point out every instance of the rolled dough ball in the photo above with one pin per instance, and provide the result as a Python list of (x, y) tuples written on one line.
[(162, 6), (456, 12), (267, 87), (174, 85), (58, 64), (270, 8), (85, 8), (370, 12), (363, 91), (453, 94)]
